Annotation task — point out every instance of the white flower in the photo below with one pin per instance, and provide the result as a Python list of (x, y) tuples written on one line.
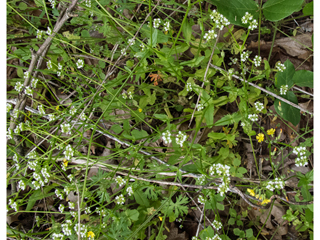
[(71, 205), (120, 181), (201, 199), (61, 208), (73, 110), (142, 47), (166, 26), (284, 89), (123, 52), (53, 3), (80, 63), (68, 152), (120, 199), (181, 138), (22, 185), (253, 117), (49, 31), (65, 128), (166, 136), (15, 113), (18, 86), (257, 61), (26, 75), (131, 41), (88, 3), (234, 60), (41, 109), (281, 67), (83, 116), (217, 225), (34, 82), (52, 117), (124, 95), (59, 66), (259, 106), (253, 25), (199, 107), (210, 35), (244, 56), (129, 191), (9, 106), (28, 91), (202, 179), (39, 34), (130, 95), (49, 64), (219, 19), (36, 185), (70, 177), (189, 87), (156, 22)]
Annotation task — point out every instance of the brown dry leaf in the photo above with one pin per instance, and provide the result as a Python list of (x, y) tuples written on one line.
[(307, 105), (295, 46), (12, 218), (173, 234), (277, 211), (155, 77)]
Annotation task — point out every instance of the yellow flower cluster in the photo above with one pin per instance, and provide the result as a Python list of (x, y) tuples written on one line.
[(260, 137), (252, 193), (271, 131)]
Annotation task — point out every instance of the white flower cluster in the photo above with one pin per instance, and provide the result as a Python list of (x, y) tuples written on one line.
[(57, 236), (120, 181), (194, 238), (67, 189), (26, 75), (66, 128), (181, 138), (275, 184), (201, 199), (142, 47), (36, 185), (166, 137), (259, 106), (83, 230), (166, 26), (215, 237), (74, 214), (40, 178), (22, 185), (234, 60), (123, 51), (73, 110), (125, 96), (280, 66), (253, 117), (61, 208), (53, 3), (9, 133), (80, 63), (28, 91), (60, 66), (70, 177), (302, 159), (59, 194), (247, 18), (40, 34), (202, 179), (210, 35), (13, 204), (88, 3), (217, 225), (18, 87), (49, 31), (87, 210), (34, 82), (32, 165), (129, 191), (102, 212), (131, 41), (223, 171), (189, 87), (156, 22), (119, 199), (67, 228), (9, 107), (71, 205), (68, 152), (199, 107), (219, 19), (244, 56), (257, 61), (41, 109), (284, 89), (52, 117), (19, 127)]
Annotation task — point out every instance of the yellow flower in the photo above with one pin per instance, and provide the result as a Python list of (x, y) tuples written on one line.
[(260, 137), (65, 162), (57, 107), (266, 201), (90, 234), (160, 218), (251, 192), (140, 110), (271, 131)]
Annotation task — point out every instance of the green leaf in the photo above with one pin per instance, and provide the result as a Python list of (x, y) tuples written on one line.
[(303, 78), (287, 111), (133, 214), (249, 233), (275, 10), (22, 6), (141, 198), (139, 134), (208, 115), (231, 221), (236, 162), (220, 206), (229, 119), (38, 194), (308, 9), (217, 136), (237, 231), (224, 152), (162, 117), (309, 215), (186, 29), (285, 77), (242, 170), (154, 37), (116, 128), (234, 10), (232, 212)]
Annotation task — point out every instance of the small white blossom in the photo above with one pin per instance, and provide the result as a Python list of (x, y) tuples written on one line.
[(199, 107), (166, 26), (120, 181), (49, 31), (124, 95), (234, 60), (59, 66), (129, 191), (22, 185), (142, 47), (131, 41), (166, 136), (123, 52), (61, 208), (41, 109), (70, 177), (71, 205), (34, 82), (39, 34), (181, 138), (189, 87), (201, 199), (130, 95), (244, 56), (259, 106), (247, 17), (49, 64), (53, 3), (68, 152), (80, 63), (280, 66), (210, 35), (66, 128), (52, 117), (26, 75), (257, 61), (120, 199), (284, 89), (36, 185), (217, 225), (9, 106), (156, 22), (18, 87), (253, 117), (28, 91), (83, 116)]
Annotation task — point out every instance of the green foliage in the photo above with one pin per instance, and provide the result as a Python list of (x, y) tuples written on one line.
[(275, 10)]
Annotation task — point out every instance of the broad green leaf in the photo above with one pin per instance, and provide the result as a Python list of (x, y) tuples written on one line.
[(242, 170), (141, 198), (116, 128), (236, 162), (287, 111), (308, 9), (154, 37), (220, 206), (237, 231), (162, 117), (303, 78), (133, 214), (139, 134), (232, 212), (194, 62), (249, 233), (22, 6), (275, 10), (229, 119), (217, 136), (192, 168), (85, 33), (234, 10), (285, 77), (186, 29), (208, 115)]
